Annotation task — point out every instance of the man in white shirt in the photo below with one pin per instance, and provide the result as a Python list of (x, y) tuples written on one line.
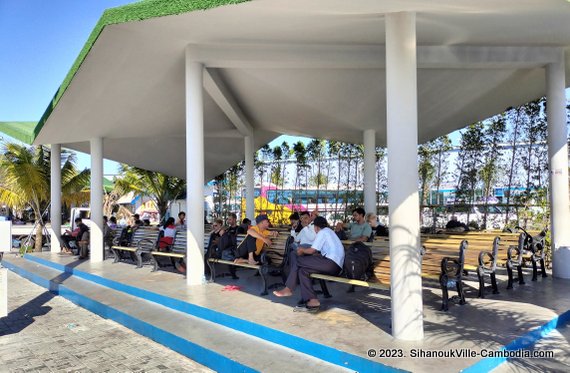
[(307, 235), (326, 256)]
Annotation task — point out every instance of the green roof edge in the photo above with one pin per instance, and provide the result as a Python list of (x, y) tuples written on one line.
[(22, 131), (138, 11)]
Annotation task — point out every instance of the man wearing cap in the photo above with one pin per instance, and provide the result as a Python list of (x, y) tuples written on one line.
[(326, 256), (257, 236)]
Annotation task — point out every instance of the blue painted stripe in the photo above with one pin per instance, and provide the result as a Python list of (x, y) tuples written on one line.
[(523, 342), (187, 348), (320, 351)]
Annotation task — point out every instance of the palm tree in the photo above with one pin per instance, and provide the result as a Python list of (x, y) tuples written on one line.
[(301, 163), (159, 187), (25, 181)]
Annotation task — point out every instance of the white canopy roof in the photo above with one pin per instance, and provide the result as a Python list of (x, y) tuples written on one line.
[(302, 68)]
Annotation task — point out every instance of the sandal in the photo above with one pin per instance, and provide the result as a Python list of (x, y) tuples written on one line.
[(308, 309)]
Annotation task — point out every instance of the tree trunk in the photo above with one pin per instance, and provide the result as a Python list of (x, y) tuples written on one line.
[(39, 237), (513, 157)]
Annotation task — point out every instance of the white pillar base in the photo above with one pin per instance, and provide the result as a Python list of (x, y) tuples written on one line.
[(561, 262), (55, 193), (96, 229)]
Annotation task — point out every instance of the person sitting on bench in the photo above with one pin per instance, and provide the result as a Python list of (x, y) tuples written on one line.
[(359, 229), (244, 227), (257, 237), (74, 236), (326, 256), (168, 233), (307, 235)]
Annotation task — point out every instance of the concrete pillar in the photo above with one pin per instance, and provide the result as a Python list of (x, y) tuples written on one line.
[(55, 191), (195, 172), (402, 134), (558, 157), (96, 229), (370, 171), (249, 178)]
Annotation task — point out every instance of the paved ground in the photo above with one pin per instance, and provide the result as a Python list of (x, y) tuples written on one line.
[(555, 342), (47, 333)]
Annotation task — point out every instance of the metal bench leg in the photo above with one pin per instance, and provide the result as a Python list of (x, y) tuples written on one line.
[(543, 268), (510, 275), (325, 289), (116, 254), (481, 277), (494, 283), (534, 269), (213, 272), (263, 270), (444, 293), (459, 286), (520, 272), (211, 267), (138, 255), (232, 270), (154, 263)]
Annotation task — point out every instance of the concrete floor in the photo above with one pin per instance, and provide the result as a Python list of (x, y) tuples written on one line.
[(360, 321), (47, 333)]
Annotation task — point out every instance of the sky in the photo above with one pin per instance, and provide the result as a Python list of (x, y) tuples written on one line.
[(39, 41)]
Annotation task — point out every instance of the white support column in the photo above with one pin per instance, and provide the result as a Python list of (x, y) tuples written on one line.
[(195, 171), (55, 191), (402, 132), (96, 229), (249, 178), (558, 156), (370, 171)]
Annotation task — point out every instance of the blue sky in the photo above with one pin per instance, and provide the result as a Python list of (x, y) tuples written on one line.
[(39, 41)]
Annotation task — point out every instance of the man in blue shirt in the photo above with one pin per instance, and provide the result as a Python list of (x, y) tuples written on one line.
[(326, 256)]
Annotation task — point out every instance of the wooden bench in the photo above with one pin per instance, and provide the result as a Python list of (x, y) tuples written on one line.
[(485, 254), (175, 252), (381, 278), (479, 257), (142, 241), (274, 256), (111, 237)]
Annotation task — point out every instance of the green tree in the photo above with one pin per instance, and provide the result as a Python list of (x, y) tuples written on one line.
[(316, 152), (441, 147), (426, 171), (335, 150), (233, 186), (300, 155), (515, 117), (471, 147), (489, 172), (381, 176), (158, 187), (25, 181)]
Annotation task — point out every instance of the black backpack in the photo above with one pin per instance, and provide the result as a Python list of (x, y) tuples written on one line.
[(358, 263), (126, 236)]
